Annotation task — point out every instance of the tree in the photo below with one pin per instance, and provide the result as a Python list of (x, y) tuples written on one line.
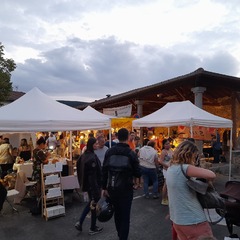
[(6, 67)]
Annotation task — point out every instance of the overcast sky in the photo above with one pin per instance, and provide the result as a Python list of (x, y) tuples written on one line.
[(82, 50)]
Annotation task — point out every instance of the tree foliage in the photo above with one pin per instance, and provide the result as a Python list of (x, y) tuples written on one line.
[(6, 67)]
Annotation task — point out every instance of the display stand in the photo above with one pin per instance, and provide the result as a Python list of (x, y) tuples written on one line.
[(52, 193)]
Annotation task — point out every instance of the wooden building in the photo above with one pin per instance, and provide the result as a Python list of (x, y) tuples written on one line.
[(216, 93)]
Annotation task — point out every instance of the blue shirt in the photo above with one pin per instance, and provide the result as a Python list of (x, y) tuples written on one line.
[(184, 206), (217, 144), (112, 144)]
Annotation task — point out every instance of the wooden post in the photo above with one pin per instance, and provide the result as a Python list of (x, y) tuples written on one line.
[(139, 104), (234, 107)]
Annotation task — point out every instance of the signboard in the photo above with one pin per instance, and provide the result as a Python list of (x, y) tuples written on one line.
[(199, 133), (118, 123), (123, 111)]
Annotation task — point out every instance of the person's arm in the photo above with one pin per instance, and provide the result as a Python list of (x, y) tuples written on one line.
[(105, 176), (43, 157), (94, 167), (105, 171), (79, 171), (135, 164), (161, 159), (19, 150), (156, 160), (138, 153), (10, 150), (198, 172)]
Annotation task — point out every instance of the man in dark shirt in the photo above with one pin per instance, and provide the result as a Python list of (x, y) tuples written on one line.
[(119, 167), (216, 145)]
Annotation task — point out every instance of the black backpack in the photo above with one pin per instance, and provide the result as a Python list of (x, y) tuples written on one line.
[(119, 173)]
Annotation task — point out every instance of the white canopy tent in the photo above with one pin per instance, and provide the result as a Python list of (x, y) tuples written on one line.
[(35, 111), (184, 113), (96, 114)]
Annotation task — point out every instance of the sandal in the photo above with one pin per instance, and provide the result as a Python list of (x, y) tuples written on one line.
[(135, 187)]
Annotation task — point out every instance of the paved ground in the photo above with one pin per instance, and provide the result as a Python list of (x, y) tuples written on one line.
[(147, 221)]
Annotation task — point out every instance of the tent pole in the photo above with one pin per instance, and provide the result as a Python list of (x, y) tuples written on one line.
[(70, 145), (230, 155), (110, 137), (191, 129)]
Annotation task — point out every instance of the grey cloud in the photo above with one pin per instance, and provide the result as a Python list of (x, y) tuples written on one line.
[(113, 68), (58, 11), (217, 37), (23, 22), (105, 66), (108, 68), (222, 62)]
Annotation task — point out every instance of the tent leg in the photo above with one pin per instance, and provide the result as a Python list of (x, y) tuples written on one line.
[(230, 155), (70, 152), (110, 138)]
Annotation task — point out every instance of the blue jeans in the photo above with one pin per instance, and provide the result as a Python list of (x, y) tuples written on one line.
[(147, 175), (216, 155), (85, 212)]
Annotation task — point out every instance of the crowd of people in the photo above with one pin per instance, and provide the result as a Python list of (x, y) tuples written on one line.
[(126, 164), (115, 167)]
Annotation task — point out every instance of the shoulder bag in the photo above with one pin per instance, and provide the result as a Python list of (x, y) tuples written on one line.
[(206, 193)]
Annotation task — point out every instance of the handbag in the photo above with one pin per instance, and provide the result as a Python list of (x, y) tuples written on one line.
[(206, 193)]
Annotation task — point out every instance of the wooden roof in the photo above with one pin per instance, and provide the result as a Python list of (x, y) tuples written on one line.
[(14, 95), (219, 89)]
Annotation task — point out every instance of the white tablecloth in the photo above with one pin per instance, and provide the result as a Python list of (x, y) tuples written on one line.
[(27, 168), (12, 192)]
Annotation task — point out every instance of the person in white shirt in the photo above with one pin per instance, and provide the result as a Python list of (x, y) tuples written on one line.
[(52, 141), (5, 152), (148, 161)]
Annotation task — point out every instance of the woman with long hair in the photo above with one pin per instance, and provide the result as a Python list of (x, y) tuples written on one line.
[(39, 157), (186, 213), (89, 178), (164, 160), (24, 150)]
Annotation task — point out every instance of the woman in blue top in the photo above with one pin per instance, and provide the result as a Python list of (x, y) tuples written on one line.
[(186, 213)]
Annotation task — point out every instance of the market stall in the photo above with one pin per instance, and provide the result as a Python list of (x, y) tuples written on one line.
[(184, 114), (37, 112), (97, 115)]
